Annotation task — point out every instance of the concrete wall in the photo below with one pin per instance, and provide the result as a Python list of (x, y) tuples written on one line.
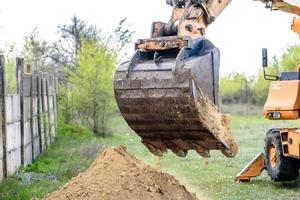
[(28, 119), (13, 133)]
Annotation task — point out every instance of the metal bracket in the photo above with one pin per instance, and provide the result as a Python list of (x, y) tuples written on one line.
[(208, 17), (157, 58), (134, 59)]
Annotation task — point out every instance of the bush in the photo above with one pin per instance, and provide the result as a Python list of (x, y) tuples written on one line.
[(235, 88), (91, 93), (10, 76), (73, 131)]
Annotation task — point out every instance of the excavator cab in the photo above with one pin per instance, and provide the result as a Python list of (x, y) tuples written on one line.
[(168, 91)]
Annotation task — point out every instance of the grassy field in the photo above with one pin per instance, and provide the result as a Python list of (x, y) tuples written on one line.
[(76, 148)]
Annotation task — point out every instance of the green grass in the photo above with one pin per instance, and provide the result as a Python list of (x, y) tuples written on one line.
[(216, 180), (73, 151), (76, 148)]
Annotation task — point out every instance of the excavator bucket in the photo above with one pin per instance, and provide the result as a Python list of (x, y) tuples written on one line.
[(253, 169), (168, 97)]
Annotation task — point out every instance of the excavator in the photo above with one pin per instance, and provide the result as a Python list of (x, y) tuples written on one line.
[(168, 92)]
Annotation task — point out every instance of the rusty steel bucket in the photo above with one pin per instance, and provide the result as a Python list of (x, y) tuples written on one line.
[(169, 99)]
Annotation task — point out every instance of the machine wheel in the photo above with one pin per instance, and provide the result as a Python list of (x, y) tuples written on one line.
[(279, 167)]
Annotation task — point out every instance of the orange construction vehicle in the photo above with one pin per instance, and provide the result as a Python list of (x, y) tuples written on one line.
[(282, 146), (168, 92)]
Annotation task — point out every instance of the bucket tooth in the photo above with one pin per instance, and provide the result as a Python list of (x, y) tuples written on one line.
[(178, 146), (202, 152), (181, 143), (229, 151), (179, 152), (157, 152)]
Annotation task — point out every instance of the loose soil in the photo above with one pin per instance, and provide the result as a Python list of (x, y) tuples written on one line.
[(118, 175), (217, 123)]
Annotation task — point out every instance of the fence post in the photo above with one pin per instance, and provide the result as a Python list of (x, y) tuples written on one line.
[(39, 121), (48, 86), (51, 106), (3, 118), (44, 104), (20, 90), (54, 93), (31, 94)]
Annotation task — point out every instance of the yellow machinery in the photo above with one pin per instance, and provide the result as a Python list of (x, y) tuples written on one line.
[(168, 92), (282, 146)]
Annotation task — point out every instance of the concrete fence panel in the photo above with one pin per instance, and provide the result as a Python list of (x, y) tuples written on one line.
[(28, 119)]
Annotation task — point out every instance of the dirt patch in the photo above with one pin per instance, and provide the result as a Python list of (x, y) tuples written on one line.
[(118, 175)]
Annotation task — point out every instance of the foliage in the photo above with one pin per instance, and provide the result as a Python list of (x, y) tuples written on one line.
[(36, 52), (73, 152), (235, 88), (74, 131), (10, 76), (121, 37), (64, 105), (92, 89), (87, 89), (11, 189), (291, 58), (238, 88), (10, 53), (261, 86), (65, 51)]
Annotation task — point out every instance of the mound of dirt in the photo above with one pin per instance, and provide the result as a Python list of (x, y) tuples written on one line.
[(118, 175)]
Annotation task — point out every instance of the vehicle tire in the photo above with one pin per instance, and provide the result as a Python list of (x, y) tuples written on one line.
[(279, 167)]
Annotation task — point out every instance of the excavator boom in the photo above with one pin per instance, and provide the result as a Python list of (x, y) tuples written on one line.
[(289, 6)]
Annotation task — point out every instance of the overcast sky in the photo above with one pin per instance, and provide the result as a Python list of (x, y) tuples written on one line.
[(240, 31)]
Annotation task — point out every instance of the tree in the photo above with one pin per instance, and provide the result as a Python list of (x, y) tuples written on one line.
[(65, 51), (89, 63), (10, 53), (123, 35), (92, 90), (291, 58), (261, 86), (235, 88), (10, 76), (36, 52)]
